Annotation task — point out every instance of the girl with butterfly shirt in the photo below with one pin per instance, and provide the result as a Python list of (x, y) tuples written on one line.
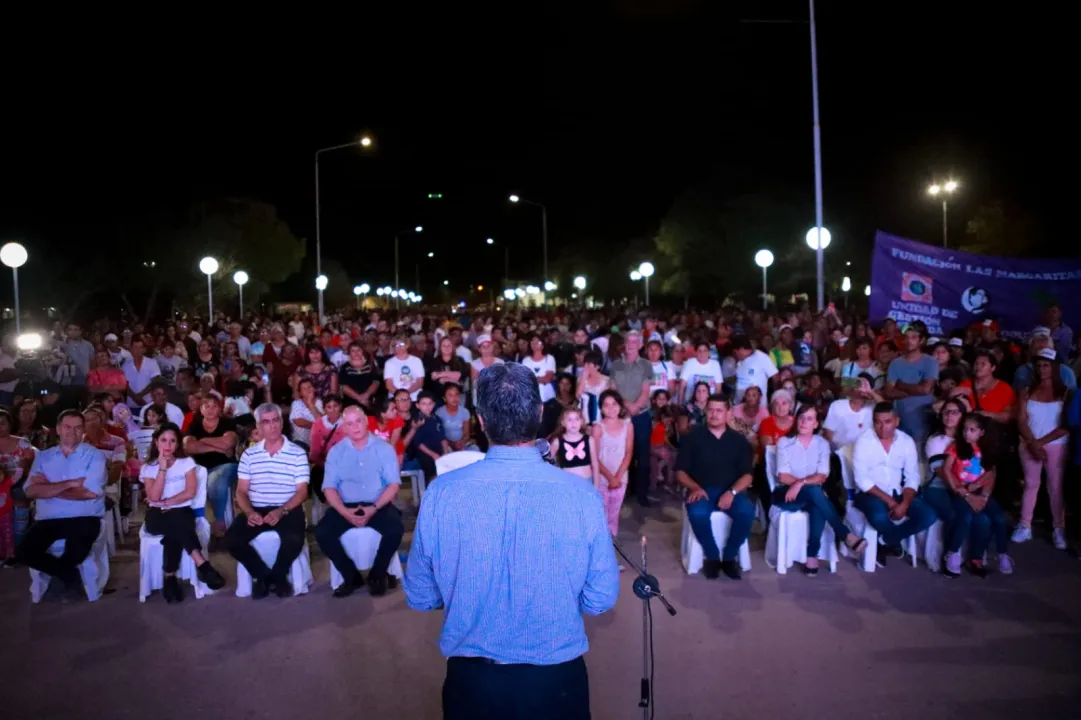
[(573, 450)]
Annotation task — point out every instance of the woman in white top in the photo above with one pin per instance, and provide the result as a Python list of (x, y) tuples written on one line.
[(803, 464), (543, 366), (306, 409), (862, 361), (700, 368), (1045, 443), (169, 477)]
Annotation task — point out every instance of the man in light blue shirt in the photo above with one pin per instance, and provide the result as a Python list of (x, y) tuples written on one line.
[(67, 483), (360, 482), (910, 384), (514, 550)]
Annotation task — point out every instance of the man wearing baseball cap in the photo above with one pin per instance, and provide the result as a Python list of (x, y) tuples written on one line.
[(1040, 339), (117, 354)]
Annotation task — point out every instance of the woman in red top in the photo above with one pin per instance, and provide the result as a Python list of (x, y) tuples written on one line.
[(985, 393), (386, 424), (105, 378), (779, 421)]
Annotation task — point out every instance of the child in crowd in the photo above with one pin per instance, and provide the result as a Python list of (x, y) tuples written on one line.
[(614, 438), (456, 419), (804, 359), (387, 424), (429, 440), (573, 450), (662, 454)]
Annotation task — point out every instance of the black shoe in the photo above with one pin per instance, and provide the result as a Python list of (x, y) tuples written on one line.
[(731, 569), (392, 582), (976, 568), (377, 586), (170, 588), (259, 589), (358, 580), (881, 556), (209, 576), (283, 589), (348, 587), (810, 571), (711, 569)]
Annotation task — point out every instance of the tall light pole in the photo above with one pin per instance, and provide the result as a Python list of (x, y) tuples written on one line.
[(240, 278), (209, 266), (321, 283), (544, 226), (763, 259), (646, 270), (14, 255), (635, 277), (846, 285), (818, 163), (362, 289), (363, 141), (945, 190), (416, 229), (812, 238)]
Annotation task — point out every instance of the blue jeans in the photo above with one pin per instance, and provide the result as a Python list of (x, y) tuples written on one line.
[(742, 513), (941, 501), (920, 517), (980, 527), (219, 481), (643, 426), (819, 511)]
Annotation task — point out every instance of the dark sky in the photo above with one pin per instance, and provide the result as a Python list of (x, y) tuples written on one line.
[(604, 115)]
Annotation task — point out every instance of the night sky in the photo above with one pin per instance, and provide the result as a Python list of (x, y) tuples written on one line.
[(604, 116)]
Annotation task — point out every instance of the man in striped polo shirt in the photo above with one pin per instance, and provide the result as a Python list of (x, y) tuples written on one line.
[(272, 485)]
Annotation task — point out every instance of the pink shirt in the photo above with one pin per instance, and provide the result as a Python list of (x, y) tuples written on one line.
[(324, 438), (754, 422)]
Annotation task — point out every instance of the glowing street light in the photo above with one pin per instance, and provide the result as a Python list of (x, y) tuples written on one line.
[(763, 259), (580, 282), (519, 293), (549, 286), (946, 189), (646, 271), (14, 255), (321, 283), (379, 292), (431, 254), (491, 241), (241, 279), (812, 238), (209, 266), (846, 285), (635, 275), (867, 291), (446, 282), (365, 141)]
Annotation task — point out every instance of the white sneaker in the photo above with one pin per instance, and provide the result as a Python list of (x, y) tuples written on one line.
[(953, 564), (1058, 537), (1005, 565), (1021, 534)]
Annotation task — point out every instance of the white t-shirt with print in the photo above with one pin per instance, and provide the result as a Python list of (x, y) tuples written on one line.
[(662, 376), (299, 410), (545, 365), (695, 372), (175, 479), (754, 370), (403, 373), (845, 423)]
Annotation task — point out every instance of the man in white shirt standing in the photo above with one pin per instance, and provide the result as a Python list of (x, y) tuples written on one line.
[(139, 372), (887, 473), (754, 368), (403, 371)]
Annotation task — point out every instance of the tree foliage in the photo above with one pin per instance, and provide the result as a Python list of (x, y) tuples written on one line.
[(993, 231)]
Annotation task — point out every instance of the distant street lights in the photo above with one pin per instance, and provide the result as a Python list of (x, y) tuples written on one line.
[(763, 259), (945, 190), (362, 289), (580, 282), (867, 291), (364, 141), (846, 285), (209, 266), (646, 270), (416, 229), (544, 226), (14, 255), (240, 278)]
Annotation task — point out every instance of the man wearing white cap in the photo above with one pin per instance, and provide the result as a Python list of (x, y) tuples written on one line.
[(1040, 340), (487, 359), (118, 355), (957, 354), (403, 371)]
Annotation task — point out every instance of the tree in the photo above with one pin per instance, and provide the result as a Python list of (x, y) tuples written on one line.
[(992, 231)]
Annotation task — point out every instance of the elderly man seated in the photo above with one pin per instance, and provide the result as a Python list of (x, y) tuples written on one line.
[(272, 485), (67, 483), (360, 483), (887, 473)]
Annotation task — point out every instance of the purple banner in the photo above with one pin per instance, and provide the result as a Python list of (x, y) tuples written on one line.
[(949, 289)]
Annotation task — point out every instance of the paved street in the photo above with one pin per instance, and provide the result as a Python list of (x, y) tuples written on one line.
[(901, 643)]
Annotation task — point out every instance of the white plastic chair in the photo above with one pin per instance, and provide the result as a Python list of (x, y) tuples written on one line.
[(114, 527), (94, 570), (858, 521), (151, 573), (786, 541), (267, 544), (417, 484), (456, 460), (361, 545), (691, 549), (318, 510)]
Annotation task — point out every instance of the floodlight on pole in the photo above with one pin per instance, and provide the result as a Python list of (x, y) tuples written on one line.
[(209, 266), (580, 282), (241, 279), (14, 255), (764, 259)]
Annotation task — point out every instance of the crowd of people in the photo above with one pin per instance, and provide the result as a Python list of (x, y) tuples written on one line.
[(280, 411)]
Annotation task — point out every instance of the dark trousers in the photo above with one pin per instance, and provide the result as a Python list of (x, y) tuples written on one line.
[(479, 690), (315, 482), (78, 534), (291, 531), (643, 426), (742, 513), (177, 530), (387, 522), (820, 511), (980, 528)]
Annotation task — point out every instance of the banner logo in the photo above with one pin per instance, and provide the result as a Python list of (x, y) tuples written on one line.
[(916, 288)]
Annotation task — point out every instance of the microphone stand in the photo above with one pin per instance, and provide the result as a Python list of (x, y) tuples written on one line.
[(645, 587)]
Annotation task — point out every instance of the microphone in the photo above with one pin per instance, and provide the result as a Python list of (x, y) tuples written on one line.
[(645, 586), (544, 448)]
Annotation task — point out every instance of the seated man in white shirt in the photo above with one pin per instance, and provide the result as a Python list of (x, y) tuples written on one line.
[(887, 473), (159, 395)]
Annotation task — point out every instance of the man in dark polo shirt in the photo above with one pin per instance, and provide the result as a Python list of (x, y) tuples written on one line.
[(632, 375), (714, 464)]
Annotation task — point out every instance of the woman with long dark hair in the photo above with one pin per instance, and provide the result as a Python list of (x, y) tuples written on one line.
[(319, 370), (169, 477)]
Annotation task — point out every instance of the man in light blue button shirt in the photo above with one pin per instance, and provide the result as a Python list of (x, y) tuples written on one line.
[(67, 483), (360, 483), (514, 550)]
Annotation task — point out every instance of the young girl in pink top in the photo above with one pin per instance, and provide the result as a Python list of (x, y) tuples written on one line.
[(614, 437)]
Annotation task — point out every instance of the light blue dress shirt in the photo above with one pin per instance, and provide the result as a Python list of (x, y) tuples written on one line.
[(361, 475), (514, 550), (85, 461)]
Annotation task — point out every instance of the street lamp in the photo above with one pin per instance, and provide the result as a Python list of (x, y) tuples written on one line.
[(867, 291), (945, 190), (209, 266), (544, 225), (417, 229), (580, 282), (813, 243), (359, 290), (240, 278), (549, 286), (763, 259), (491, 241), (646, 270), (635, 275), (364, 141), (846, 285), (14, 255)]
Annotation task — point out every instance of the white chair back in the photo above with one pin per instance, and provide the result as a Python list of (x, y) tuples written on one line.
[(771, 466), (848, 470), (199, 501), (456, 460)]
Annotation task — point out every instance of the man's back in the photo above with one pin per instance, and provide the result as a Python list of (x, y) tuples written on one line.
[(515, 550)]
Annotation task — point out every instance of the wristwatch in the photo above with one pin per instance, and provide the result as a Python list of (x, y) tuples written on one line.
[(733, 491)]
